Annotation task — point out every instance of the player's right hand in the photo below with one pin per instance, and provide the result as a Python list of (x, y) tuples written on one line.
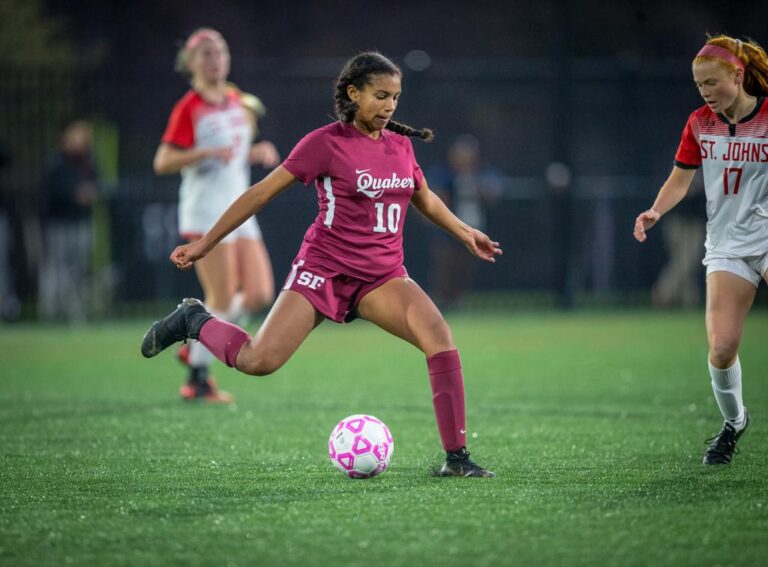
[(644, 221), (184, 256)]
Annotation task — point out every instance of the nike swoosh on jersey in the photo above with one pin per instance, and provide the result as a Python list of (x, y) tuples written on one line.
[(359, 171)]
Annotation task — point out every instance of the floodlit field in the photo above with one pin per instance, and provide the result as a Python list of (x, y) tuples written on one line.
[(594, 424)]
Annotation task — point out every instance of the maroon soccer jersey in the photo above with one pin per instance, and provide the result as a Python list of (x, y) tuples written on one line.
[(363, 190)]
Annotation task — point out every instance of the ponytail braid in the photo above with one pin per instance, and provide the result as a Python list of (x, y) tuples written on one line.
[(358, 71), (345, 108), (405, 130)]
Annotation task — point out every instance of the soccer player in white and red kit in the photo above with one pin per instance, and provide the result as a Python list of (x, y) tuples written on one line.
[(209, 140), (728, 138), (351, 261)]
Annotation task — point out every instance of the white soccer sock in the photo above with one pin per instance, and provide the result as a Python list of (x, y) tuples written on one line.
[(199, 356), (236, 308), (726, 384), (237, 313)]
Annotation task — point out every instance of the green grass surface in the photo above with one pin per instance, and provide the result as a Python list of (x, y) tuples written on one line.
[(594, 424)]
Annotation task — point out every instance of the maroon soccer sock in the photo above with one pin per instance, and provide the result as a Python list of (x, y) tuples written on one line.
[(448, 398), (224, 340)]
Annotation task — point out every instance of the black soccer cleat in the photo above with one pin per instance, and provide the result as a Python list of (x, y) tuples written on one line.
[(458, 463), (183, 323), (723, 445)]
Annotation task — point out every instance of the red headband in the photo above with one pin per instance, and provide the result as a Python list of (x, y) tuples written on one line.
[(711, 50), (195, 39)]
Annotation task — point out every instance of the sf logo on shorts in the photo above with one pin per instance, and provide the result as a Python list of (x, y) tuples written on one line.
[(310, 280)]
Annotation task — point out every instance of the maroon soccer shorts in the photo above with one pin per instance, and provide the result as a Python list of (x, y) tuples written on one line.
[(333, 294)]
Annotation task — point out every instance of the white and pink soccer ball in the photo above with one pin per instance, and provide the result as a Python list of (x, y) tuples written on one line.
[(361, 446)]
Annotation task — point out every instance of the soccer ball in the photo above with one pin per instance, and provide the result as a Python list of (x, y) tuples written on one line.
[(361, 446)]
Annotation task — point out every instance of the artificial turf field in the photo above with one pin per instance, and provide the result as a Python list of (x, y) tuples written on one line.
[(594, 423)]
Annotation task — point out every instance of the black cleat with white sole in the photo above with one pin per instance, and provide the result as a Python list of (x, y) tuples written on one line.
[(722, 446), (458, 463), (183, 323)]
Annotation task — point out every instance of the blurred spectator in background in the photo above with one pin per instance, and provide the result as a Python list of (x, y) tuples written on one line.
[(468, 187), (680, 282), (70, 189), (9, 304), (210, 141)]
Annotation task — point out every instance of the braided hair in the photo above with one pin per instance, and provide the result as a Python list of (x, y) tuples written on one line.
[(358, 71)]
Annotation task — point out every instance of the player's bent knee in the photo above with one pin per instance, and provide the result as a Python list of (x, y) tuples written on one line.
[(723, 350), (257, 362), (260, 366)]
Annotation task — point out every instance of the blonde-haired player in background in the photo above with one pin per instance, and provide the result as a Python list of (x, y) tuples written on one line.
[(209, 139)]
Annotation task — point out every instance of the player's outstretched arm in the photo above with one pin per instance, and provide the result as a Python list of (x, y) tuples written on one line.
[(170, 159), (247, 205), (671, 193), (433, 208)]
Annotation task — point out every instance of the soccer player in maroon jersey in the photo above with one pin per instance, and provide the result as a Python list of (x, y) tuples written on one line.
[(209, 140), (350, 263), (728, 137)]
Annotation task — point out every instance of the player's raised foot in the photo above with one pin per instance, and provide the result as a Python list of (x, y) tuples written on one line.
[(723, 445), (183, 323), (458, 463), (206, 391)]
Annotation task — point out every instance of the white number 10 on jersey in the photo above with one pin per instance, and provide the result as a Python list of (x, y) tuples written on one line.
[(393, 217)]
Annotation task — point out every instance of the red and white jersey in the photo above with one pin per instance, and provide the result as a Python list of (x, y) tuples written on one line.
[(735, 168), (364, 187), (210, 186)]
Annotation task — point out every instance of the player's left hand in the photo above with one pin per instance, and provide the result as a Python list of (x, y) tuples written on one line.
[(482, 246), (644, 222), (264, 153)]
